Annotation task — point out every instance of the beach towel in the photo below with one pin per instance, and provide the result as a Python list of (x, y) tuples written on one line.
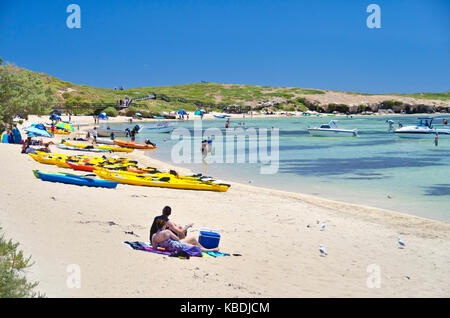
[(215, 254), (191, 251), (142, 246)]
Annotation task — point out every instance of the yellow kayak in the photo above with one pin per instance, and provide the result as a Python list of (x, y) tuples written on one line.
[(58, 132), (157, 174), (169, 181), (60, 160), (112, 148)]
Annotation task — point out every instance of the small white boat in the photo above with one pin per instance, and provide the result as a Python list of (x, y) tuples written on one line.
[(332, 130), (423, 129), (104, 141), (108, 132), (160, 128)]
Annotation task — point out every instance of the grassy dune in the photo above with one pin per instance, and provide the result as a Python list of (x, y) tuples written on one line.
[(188, 96)]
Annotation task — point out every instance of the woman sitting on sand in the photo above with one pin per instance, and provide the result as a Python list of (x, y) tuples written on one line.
[(168, 240)]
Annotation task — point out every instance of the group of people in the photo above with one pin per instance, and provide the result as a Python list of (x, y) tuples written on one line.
[(125, 102), (26, 146), (93, 135), (173, 237), (391, 124), (132, 133), (181, 116)]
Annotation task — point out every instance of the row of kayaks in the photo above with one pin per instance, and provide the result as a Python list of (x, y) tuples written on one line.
[(102, 147), (120, 170), (117, 146)]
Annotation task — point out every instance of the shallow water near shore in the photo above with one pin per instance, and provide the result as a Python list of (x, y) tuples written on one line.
[(376, 168)]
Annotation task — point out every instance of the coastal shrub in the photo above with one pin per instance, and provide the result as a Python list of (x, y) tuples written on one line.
[(391, 103), (24, 91), (291, 109), (302, 107), (343, 108), (129, 112), (66, 95), (331, 107), (111, 112), (301, 100), (13, 283)]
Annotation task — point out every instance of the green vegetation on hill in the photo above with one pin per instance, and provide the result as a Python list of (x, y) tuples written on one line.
[(440, 96), (22, 93), (36, 92)]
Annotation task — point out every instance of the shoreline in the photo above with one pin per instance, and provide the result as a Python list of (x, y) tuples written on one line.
[(183, 170), (276, 232)]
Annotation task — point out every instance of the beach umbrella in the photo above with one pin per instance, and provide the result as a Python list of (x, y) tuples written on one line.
[(39, 126), (181, 112), (197, 112), (38, 132), (138, 114), (64, 126)]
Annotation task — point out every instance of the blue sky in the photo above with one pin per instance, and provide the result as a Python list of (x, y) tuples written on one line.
[(312, 44)]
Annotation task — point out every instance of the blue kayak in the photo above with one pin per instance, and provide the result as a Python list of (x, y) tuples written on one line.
[(221, 116), (74, 179)]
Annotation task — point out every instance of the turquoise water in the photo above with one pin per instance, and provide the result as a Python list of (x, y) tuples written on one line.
[(376, 168)]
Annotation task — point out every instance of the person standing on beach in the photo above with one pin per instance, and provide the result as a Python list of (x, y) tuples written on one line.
[(94, 135), (204, 149)]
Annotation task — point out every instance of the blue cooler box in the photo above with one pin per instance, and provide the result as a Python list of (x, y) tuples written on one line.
[(209, 238)]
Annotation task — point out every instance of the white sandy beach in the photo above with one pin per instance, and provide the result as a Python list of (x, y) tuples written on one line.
[(277, 233)]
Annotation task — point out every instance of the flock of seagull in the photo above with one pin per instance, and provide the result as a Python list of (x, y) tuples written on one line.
[(323, 252)]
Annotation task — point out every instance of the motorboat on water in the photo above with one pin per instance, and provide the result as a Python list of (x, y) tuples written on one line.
[(160, 128), (423, 129), (332, 130)]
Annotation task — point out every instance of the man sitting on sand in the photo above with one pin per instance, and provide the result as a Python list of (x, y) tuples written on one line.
[(169, 241), (178, 230)]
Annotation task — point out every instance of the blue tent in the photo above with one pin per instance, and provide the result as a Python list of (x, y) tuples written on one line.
[(103, 116), (38, 132), (55, 117), (17, 137)]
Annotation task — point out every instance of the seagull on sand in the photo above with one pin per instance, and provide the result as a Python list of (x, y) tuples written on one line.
[(322, 250), (401, 242), (322, 227)]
